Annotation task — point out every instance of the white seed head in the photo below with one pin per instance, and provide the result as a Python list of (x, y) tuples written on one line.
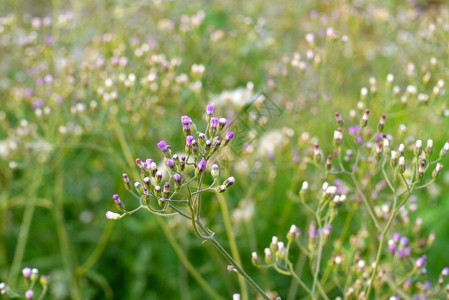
[(394, 154), (305, 186), (418, 144), (254, 255), (402, 160)]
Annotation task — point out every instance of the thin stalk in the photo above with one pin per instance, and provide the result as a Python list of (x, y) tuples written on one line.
[(232, 242)]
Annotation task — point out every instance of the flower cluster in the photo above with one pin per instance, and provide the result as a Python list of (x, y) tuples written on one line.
[(31, 277), (181, 170)]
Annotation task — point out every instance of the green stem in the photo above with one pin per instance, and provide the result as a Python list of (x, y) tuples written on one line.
[(232, 242)]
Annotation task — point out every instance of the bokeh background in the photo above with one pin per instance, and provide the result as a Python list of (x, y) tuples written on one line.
[(88, 86)]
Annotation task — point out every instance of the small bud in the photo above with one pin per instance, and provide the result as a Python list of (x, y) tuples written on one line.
[(221, 188), (209, 112), (170, 164), (274, 244), (340, 122), (268, 256), (429, 147), (213, 125), (112, 215), (147, 182), (304, 190), (153, 169), (166, 190), (186, 125), (401, 165), (127, 182), (139, 163), (418, 148), (177, 179), (118, 202), (229, 136), (254, 258), (378, 154), (364, 120), (401, 150), (437, 171), (316, 153), (386, 146), (444, 150), (163, 146), (421, 169), (381, 124), (394, 159), (445, 272), (138, 187), (328, 165), (201, 139), (34, 274), (230, 181), (338, 138), (214, 171), (291, 233), (158, 177), (222, 123), (200, 167), (29, 294), (44, 280), (26, 272), (157, 191)]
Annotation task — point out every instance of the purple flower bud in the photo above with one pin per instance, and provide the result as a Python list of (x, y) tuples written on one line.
[(186, 122), (118, 202), (177, 179), (127, 182), (201, 167), (26, 272), (221, 188), (139, 163), (163, 146), (404, 241), (201, 138), (209, 110), (148, 162), (230, 181), (147, 182), (312, 230), (112, 215), (420, 262), (222, 123), (396, 238), (229, 136), (407, 252), (213, 125), (170, 163), (445, 272), (189, 140), (392, 249), (166, 190), (400, 254), (29, 294)]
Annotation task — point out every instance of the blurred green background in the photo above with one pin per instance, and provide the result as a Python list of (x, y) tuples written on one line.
[(88, 86)]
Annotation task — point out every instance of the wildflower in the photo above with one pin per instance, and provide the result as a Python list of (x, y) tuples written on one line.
[(393, 159), (401, 150), (26, 272), (316, 154), (166, 190), (157, 191), (338, 138), (127, 182), (213, 125), (201, 138), (209, 112), (229, 136), (429, 147), (221, 124), (158, 177), (186, 125), (418, 148), (254, 258), (437, 171), (170, 164), (381, 124), (444, 150), (112, 216), (364, 120), (118, 202), (304, 190), (230, 181), (177, 179), (138, 187), (328, 165), (268, 256), (29, 294), (163, 146), (221, 188), (340, 122), (401, 165), (214, 171), (34, 274), (200, 167)]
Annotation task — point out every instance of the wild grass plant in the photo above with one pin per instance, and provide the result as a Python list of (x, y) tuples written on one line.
[(87, 87)]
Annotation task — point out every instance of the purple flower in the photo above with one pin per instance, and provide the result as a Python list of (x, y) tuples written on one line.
[(26, 272), (420, 262), (177, 179), (29, 294), (163, 146), (407, 252), (312, 230), (209, 110), (353, 130), (38, 104), (404, 241), (230, 181), (445, 272), (213, 124), (112, 215), (229, 136), (189, 140), (201, 167), (400, 254), (396, 238), (186, 122), (170, 163), (393, 249)]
